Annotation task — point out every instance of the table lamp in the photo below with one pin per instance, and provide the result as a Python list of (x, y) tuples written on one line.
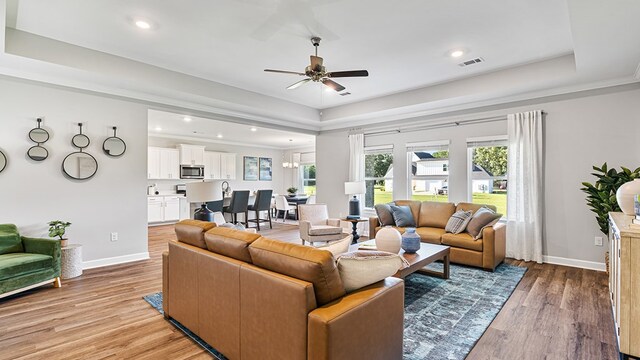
[(354, 188), (203, 192)]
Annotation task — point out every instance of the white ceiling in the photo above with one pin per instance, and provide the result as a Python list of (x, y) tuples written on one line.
[(166, 124), (209, 57), (403, 44)]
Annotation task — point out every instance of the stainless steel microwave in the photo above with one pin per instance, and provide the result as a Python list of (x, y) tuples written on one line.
[(191, 171)]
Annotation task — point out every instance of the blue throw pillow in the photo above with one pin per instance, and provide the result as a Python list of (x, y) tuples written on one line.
[(402, 216)]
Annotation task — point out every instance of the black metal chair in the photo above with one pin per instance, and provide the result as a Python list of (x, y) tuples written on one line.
[(239, 204), (262, 203)]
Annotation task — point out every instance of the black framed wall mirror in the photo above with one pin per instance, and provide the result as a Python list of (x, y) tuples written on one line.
[(114, 146), (39, 136), (80, 165), (3, 161)]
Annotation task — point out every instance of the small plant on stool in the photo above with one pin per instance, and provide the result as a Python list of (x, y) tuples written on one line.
[(57, 229)]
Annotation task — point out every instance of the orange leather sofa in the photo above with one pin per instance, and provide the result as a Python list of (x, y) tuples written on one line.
[(255, 298), (431, 218)]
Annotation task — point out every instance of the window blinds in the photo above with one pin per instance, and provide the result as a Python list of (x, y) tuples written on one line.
[(487, 141)]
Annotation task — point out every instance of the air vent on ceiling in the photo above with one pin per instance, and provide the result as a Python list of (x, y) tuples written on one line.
[(471, 62), (345, 93)]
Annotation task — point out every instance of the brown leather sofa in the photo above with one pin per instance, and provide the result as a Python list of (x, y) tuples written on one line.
[(431, 218), (255, 298)]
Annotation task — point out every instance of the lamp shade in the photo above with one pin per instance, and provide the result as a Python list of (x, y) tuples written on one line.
[(205, 191), (354, 188)]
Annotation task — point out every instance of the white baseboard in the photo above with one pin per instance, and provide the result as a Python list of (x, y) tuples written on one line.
[(114, 260), (591, 265)]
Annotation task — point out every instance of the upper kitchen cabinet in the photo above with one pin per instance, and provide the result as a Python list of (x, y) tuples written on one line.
[(227, 166), (191, 154), (163, 163), (212, 165)]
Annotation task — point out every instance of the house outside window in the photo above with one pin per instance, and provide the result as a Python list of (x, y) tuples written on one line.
[(429, 170), (487, 158), (378, 175)]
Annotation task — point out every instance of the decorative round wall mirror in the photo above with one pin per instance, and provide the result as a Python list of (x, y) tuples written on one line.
[(37, 153), (3, 161), (80, 140), (39, 136), (80, 165), (114, 146)]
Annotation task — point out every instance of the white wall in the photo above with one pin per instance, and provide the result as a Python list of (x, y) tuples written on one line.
[(277, 184), (34, 193), (579, 132)]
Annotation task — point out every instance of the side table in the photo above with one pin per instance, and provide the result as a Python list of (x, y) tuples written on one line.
[(354, 223), (71, 261)]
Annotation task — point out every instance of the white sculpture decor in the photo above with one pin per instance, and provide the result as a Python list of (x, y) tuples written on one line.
[(626, 194), (388, 239)]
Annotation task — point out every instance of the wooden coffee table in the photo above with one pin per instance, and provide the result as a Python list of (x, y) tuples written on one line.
[(427, 254)]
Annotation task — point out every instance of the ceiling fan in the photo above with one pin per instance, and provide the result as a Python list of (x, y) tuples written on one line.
[(318, 73)]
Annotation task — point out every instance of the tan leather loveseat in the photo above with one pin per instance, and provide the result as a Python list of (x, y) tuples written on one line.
[(255, 298), (431, 218)]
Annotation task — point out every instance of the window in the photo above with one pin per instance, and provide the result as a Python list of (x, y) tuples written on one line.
[(488, 172), (429, 171), (378, 172), (308, 173)]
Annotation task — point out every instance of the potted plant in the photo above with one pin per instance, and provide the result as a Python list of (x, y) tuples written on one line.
[(292, 191), (57, 229)]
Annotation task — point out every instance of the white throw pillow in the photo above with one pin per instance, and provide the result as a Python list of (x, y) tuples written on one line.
[(337, 247), (361, 268)]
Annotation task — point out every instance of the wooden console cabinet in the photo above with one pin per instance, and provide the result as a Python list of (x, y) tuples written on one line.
[(624, 282)]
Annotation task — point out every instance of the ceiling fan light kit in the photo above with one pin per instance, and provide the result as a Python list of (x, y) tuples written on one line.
[(318, 73)]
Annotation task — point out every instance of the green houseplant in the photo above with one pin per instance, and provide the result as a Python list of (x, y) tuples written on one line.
[(57, 229), (601, 196), (292, 190)]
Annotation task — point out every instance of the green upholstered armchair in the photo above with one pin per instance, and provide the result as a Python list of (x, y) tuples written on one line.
[(25, 262)]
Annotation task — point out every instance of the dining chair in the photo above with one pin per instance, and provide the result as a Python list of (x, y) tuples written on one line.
[(282, 204), (262, 203), (239, 204)]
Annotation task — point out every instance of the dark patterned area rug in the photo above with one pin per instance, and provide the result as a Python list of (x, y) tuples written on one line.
[(443, 319)]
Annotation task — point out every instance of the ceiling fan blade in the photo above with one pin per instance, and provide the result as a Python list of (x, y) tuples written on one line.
[(332, 84), (285, 72), (301, 82), (350, 73), (316, 63)]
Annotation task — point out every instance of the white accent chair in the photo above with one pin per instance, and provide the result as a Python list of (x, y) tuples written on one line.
[(315, 225), (283, 205)]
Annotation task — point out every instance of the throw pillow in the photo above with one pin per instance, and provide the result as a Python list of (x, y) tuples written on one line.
[(482, 218), (337, 247), (402, 216), (458, 221), (385, 216), (361, 268)]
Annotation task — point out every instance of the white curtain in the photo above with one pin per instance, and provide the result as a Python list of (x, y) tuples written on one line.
[(356, 159), (525, 197)]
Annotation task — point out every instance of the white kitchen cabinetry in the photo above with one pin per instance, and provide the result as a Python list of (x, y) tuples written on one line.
[(155, 209), (163, 208), (212, 165), (227, 166), (185, 209), (153, 163), (163, 163), (191, 154)]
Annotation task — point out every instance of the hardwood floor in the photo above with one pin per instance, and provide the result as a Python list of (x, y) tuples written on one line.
[(555, 312)]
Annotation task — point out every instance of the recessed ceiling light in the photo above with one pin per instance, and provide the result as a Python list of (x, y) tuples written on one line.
[(456, 53), (219, 136), (143, 24), (158, 128), (254, 129), (186, 119)]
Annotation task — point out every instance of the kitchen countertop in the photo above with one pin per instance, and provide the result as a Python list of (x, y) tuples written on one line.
[(181, 195)]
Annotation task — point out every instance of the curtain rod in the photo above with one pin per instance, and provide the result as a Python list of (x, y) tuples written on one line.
[(440, 126)]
